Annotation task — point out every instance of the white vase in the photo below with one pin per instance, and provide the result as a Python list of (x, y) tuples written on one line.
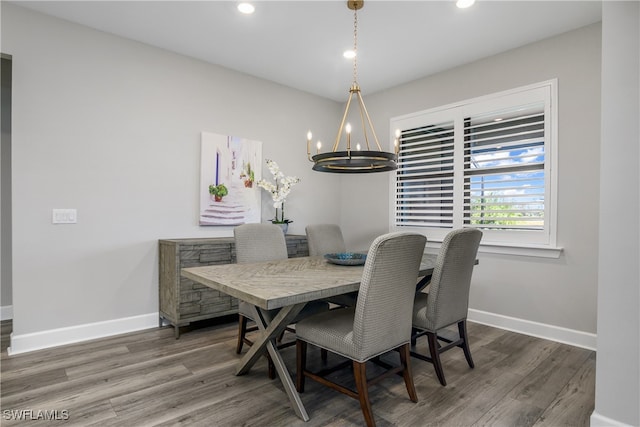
[(284, 226)]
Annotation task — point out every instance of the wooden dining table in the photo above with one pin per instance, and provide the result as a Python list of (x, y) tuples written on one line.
[(286, 284)]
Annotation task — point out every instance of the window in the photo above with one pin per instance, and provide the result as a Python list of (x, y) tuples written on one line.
[(486, 163)]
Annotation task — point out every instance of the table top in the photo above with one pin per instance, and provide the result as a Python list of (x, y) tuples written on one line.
[(276, 284)]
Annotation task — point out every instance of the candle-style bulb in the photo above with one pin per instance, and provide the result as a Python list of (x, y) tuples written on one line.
[(397, 133), (348, 128), (358, 146), (318, 146), (309, 136)]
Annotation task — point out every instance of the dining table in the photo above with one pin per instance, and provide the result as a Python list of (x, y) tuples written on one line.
[(286, 284)]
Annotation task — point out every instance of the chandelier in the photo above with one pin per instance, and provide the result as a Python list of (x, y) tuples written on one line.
[(355, 159)]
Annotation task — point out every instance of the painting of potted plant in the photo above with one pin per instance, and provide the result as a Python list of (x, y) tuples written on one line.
[(248, 175), (229, 165), (218, 191)]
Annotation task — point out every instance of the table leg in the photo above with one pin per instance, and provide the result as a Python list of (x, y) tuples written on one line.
[(423, 282), (266, 340)]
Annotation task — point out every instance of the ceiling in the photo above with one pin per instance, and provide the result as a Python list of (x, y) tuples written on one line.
[(300, 43)]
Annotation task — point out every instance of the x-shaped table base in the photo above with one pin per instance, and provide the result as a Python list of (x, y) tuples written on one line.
[(268, 334)]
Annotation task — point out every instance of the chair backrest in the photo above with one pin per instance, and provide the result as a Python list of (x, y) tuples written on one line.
[(259, 242), (324, 239), (448, 300), (383, 312)]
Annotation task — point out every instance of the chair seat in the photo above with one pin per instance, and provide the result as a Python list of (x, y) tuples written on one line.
[(332, 330), (311, 308), (420, 319)]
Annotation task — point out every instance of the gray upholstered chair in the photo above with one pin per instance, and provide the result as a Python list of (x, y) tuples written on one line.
[(258, 243), (379, 323), (325, 239), (447, 301)]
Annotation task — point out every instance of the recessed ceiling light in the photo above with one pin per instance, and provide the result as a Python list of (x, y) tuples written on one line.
[(349, 54), (246, 8), (463, 4)]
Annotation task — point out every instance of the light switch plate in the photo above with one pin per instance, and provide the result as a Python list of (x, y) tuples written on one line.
[(64, 216)]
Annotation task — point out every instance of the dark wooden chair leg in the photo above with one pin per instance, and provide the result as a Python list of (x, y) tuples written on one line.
[(301, 362), (435, 356), (360, 373), (242, 330), (414, 337), (462, 329), (407, 374)]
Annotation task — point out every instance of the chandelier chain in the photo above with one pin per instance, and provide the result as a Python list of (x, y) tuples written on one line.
[(355, 46)]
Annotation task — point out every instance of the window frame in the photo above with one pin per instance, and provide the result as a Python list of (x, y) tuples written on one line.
[(520, 242)]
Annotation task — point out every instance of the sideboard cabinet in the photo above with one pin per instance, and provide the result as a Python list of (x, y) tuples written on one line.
[(183, 301)]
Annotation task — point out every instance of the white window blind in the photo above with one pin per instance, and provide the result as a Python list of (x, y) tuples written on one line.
[(425, 178), (483, 163), (504, 155)]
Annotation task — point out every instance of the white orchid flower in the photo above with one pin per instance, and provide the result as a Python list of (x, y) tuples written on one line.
[(278, 190)]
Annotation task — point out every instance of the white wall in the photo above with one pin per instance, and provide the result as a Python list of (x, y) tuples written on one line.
[(556, 292), (618, 361), (112, 127)]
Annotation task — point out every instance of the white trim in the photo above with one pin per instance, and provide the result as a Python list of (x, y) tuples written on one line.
[(552, 163), (598, 420), (6, 312), (478, 99), (541, 330), (538, 251), (522, 250), (73, 334)]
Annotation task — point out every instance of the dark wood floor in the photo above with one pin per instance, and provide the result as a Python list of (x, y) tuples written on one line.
[(149, 378), (5, 330)]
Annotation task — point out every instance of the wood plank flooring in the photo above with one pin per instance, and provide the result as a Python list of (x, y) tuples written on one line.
[(149, 378)]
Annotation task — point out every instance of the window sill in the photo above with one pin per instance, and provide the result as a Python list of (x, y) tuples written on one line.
[(512, 249)]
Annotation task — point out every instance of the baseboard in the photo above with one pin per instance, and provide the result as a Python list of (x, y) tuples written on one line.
[(540, 330), (55, 337), (598, 420), (6, 312)]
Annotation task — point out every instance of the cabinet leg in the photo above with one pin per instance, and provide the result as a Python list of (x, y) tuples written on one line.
[(176, 331)]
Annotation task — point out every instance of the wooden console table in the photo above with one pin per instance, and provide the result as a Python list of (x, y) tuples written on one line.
[(182, 300)]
